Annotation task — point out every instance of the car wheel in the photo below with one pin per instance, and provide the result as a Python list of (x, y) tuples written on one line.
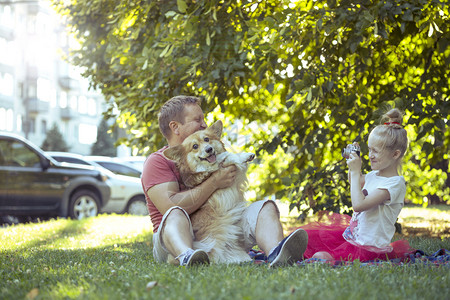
[(137, 206), (83, 204)]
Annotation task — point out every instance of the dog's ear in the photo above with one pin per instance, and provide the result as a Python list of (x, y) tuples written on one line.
[(174, 153), (216, 128)]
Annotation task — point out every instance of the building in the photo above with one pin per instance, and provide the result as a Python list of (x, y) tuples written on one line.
[(38, 88)]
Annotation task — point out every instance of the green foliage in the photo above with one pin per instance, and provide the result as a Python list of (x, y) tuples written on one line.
[(54, 141), (316, 75), (105, 142)]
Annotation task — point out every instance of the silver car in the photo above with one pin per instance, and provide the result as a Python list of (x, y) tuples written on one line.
[(127, 195)]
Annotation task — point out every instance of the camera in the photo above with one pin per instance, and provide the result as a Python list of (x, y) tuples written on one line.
[(349, 149)]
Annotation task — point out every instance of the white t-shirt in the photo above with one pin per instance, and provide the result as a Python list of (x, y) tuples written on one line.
[(375, 227)]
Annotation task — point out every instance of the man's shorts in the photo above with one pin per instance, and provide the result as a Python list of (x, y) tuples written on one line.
[(160, 253)]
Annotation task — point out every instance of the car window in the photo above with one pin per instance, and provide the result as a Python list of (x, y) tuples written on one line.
[(15, 153), (70, 160), (120, 169)]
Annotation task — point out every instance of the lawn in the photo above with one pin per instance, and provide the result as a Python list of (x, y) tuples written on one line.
[(109, 257)]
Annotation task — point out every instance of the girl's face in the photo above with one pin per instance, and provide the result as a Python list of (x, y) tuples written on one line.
[(380, 159)]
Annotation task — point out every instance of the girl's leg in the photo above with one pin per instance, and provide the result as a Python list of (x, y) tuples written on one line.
[(323, 255)]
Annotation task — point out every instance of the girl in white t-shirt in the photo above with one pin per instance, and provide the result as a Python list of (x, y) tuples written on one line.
[(377, 199)]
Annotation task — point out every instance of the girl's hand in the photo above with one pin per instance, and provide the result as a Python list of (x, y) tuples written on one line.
[(354, 163)]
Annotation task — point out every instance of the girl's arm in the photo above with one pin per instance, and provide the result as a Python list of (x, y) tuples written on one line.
[(362, 179), (359, 201)]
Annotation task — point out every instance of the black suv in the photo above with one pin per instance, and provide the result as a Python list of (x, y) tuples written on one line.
[(34, 184)]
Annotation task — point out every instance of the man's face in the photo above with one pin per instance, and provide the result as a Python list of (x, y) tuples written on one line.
[(194, 120)]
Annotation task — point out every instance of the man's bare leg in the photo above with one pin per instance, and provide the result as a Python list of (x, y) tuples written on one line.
[(269, 237), (269, 231), (176, 236)]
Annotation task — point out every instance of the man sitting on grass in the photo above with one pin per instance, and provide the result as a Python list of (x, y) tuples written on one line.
[(170, 204)]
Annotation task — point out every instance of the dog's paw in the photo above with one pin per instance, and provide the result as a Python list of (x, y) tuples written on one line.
[(235, 158), (248, 157)]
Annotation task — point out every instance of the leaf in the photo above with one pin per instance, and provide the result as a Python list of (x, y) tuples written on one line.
[(165, 51), (151, 284), (430, 31), (170, 13), (181, 6)]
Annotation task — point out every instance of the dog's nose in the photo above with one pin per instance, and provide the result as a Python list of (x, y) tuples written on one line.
[(208, 149)]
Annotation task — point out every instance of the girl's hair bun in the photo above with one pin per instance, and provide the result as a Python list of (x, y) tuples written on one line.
[(393, 118)]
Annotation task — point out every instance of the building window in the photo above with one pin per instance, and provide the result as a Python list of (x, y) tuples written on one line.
[(73, 102), (8, 53), (6, 16), (44, 89), (87, 134), (44, 127), (19, 123), (31, 90), (3, 50), (6, 119), (31, 125), (2, 118), (6, 84)]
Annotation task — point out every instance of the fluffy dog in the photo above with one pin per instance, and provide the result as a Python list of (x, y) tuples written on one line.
[(217, 224)]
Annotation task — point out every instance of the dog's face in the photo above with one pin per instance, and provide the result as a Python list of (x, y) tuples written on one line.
[(199, 151)]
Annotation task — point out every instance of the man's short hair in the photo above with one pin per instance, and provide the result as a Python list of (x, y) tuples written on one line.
[(173, 110)]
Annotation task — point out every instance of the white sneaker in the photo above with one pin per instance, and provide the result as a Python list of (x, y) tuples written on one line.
[(197, 257)]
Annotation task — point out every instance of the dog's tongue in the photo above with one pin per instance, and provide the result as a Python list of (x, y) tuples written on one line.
[(211, 158)]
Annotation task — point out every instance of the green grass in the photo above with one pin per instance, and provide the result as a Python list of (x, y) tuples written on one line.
[(109, 257)]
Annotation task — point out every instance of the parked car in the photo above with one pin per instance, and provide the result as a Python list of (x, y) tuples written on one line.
[(34, 184), (115, 165), (136, 161), (127, 195)]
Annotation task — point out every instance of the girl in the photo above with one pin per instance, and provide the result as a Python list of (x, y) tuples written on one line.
[(377, 199)]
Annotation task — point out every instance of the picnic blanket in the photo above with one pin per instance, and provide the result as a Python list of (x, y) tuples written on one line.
[(437, 259)]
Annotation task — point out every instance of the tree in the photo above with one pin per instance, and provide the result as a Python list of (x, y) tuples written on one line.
[(54, 140), (105, 141), (315, 75)]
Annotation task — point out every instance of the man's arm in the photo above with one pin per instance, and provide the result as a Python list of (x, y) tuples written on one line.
[(168, 194)]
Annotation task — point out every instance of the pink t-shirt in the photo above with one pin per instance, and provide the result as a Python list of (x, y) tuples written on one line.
[(158, 169)]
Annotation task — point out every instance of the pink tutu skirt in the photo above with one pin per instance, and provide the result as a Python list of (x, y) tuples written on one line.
[(326, 235)]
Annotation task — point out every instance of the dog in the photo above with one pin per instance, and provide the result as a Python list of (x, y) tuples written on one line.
[(217, 223)]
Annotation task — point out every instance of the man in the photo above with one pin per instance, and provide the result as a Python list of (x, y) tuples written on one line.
[(170, 203)]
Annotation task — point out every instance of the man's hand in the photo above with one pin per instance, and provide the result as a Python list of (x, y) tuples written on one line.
[(224, 177)]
